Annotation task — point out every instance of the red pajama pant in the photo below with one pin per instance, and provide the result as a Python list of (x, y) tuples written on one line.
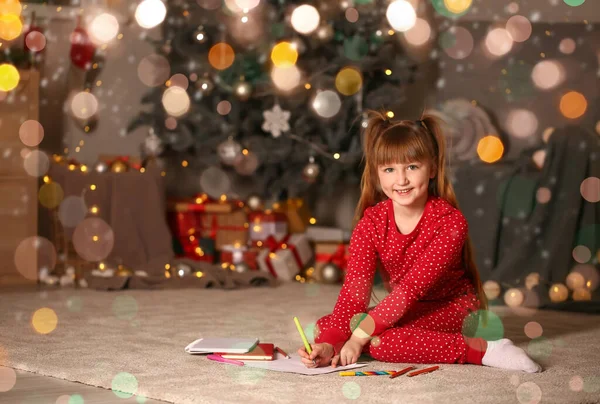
[(432, 332)]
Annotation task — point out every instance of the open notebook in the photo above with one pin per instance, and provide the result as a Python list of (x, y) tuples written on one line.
[(295, 365), (225, 345)]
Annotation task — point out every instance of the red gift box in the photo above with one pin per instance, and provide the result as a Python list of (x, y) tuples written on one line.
[(223, 221)]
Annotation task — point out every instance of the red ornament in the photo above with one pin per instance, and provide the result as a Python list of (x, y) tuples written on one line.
[(82, 48), (31, 28)]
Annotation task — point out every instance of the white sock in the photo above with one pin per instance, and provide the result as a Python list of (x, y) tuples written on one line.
[(504, 354)]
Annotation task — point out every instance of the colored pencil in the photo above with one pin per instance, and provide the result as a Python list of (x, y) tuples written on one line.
[(375, 373), (281, 351), (401, 372), (426, 370)]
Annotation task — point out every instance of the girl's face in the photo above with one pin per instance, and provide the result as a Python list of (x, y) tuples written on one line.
[(406, 184)]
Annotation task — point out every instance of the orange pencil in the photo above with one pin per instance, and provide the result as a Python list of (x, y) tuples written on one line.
[(401, 372), (282, 352), (426, 370)]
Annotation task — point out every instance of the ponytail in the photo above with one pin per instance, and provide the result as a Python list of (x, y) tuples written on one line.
[(441, 187)]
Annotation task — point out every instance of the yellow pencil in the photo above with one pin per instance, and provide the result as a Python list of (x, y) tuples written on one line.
[(306, 344), (301, 331)]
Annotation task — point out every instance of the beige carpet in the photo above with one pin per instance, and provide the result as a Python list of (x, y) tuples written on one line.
[(143, 333)]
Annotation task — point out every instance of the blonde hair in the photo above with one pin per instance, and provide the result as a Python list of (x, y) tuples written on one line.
[(404, 141)]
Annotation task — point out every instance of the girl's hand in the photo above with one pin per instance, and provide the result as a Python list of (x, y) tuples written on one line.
[(350, 352), (321, 354)]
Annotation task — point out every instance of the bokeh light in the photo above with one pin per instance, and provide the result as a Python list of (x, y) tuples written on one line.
[(529, 393), (125, 307), (576, 383), (221, 56), (419, 34), (519, 28), (533, 329), (348, 81), (457, 42), (74, 304), (32, 254), (363, 324), (539, 348), (543, 195), (154, 70), (567, 46), (8, 379), (582, 294), (401, 15), (583, 276), (50, 195), (286, 78), (36, 163), (150, 13), (171, 123), (458, 6), (84, 105), (548, 74), (573, 105), (247, 165), (93, 239), (305, 19), (176, 101), (351, 390), (103, 28), (581, 254), (179, 80), (284, 54), (490, 149), (10, 7), (351, 14), (590, 189), (35, 41), (498, 42), (224, 107), (72, 210), (124, 385), (474, 326), (574, 3), (10, 26), (44, 320), (9, 77), (521, 123), (31, 133)]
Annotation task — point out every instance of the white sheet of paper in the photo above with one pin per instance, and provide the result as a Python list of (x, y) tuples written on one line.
[(295, 365)]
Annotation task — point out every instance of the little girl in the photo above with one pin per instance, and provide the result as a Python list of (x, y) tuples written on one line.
[(408, 220)]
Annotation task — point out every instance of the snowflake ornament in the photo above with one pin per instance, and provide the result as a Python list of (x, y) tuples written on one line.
[(276, 121)]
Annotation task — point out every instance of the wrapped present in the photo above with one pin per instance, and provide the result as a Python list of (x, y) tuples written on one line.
[(223, 221), (267, 223), (297, 213), (235, 254), (284, 259), (196, 247), (335, 253), (325, 234)]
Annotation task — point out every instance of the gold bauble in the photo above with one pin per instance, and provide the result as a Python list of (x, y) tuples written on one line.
[(514, 297), (581, 294), (558, 293), (119, 166)]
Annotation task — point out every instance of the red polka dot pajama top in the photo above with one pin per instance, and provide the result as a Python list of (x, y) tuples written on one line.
[(421, 319)]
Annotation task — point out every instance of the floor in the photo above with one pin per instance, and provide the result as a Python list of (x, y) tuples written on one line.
[(32, 388)]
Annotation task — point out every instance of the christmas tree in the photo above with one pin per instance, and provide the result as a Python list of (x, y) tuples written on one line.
[(267, 98)]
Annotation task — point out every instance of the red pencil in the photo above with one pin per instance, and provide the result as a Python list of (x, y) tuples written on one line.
[(282, 352), (426, 370), (401, 372)]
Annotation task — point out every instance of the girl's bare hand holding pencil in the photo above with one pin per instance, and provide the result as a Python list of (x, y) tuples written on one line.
[(321, 355)]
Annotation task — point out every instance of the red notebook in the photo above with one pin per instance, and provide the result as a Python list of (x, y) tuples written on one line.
[(261, 352)]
